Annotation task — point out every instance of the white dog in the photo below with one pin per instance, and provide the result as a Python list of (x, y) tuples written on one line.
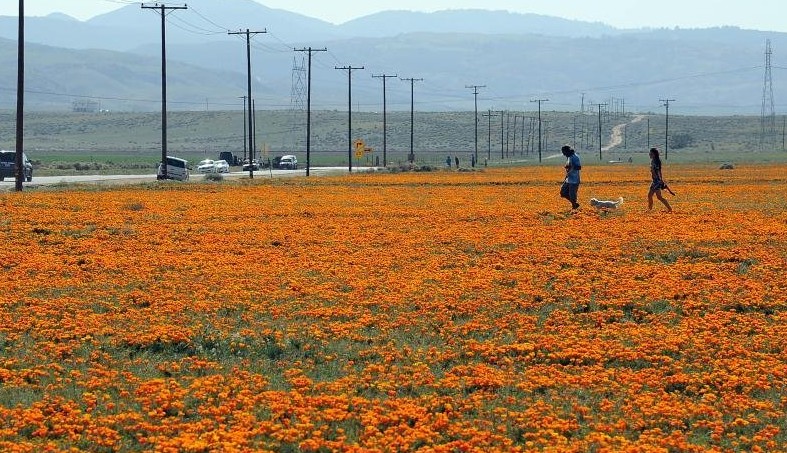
[(606, 204)]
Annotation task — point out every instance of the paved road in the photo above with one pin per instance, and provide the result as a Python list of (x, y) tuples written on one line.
[(10, 183)]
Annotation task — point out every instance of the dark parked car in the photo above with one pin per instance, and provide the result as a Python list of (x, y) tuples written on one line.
[(8, 166), (231, 159)]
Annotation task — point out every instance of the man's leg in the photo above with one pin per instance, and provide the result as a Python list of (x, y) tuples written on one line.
[(573, 191)]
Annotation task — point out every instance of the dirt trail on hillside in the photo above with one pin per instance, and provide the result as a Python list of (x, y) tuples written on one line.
[(617, 133), (616, 139)]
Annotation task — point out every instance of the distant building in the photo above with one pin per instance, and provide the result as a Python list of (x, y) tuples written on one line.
[(85, 106)]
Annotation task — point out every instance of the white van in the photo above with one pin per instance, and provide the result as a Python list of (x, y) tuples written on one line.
[(177, 169)]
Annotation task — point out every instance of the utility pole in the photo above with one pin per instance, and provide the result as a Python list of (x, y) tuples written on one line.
[(531, 135), (20, 99), (522, 149), (309, 50), (574, 137), (163, 12), (412, 81), (475, 99), (244, 126), (489, 116), (249, 34), (508, 132), (548, 129), (586, 131), (539, 125), (513, 139), (524, 131), (599, 129), (502, 133), (625, 137), (349, 70), (253, 116), (385, 122), (666, 130)]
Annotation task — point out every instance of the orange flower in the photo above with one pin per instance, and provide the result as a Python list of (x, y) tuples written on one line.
[(434, 311)]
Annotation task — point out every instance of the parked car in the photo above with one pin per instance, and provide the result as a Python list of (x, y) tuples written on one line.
[(231, 159), (288, 162), (8, 166), (177, 169), (221, 166), (206, 166), (251, 166)]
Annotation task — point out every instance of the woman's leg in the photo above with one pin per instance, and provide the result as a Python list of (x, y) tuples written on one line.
[(650, 199), (663, 200)]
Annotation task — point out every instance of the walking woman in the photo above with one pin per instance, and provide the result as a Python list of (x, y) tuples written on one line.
[(570, 185), (657, 183)]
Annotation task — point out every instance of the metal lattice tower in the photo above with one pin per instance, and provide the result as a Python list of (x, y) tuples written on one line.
[(297, 103), (768, 115), (298, 92)]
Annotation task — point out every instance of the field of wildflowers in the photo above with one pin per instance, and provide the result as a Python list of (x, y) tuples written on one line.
[(440, 312)]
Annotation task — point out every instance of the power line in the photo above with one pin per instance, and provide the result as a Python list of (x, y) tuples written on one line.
[(220, 27), (191, 28)]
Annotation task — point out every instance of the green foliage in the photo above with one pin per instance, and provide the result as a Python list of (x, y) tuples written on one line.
[(681, 140), (72, 143)]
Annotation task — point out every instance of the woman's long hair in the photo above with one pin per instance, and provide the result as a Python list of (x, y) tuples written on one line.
[(654, 154)]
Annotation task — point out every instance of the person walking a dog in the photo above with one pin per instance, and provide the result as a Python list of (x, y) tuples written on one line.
[(657, 183), (570, 187)]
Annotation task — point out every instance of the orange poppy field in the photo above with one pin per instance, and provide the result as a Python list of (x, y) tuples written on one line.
[(434, 311)]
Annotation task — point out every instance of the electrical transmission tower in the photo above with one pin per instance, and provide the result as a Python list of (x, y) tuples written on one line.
[(297, 102), (768, 116), (298, 91)]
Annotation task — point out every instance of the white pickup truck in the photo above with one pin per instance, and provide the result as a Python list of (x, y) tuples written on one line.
[(288, 162)]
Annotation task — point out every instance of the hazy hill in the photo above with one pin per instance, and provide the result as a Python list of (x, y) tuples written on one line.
[(55, 78), (518, 57), (477, 21), (131, 26), (641, 69)]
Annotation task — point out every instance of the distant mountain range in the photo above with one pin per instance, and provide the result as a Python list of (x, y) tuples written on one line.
[(113, 60)]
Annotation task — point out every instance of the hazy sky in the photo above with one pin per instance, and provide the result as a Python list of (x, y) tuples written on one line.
[(754, 14)]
